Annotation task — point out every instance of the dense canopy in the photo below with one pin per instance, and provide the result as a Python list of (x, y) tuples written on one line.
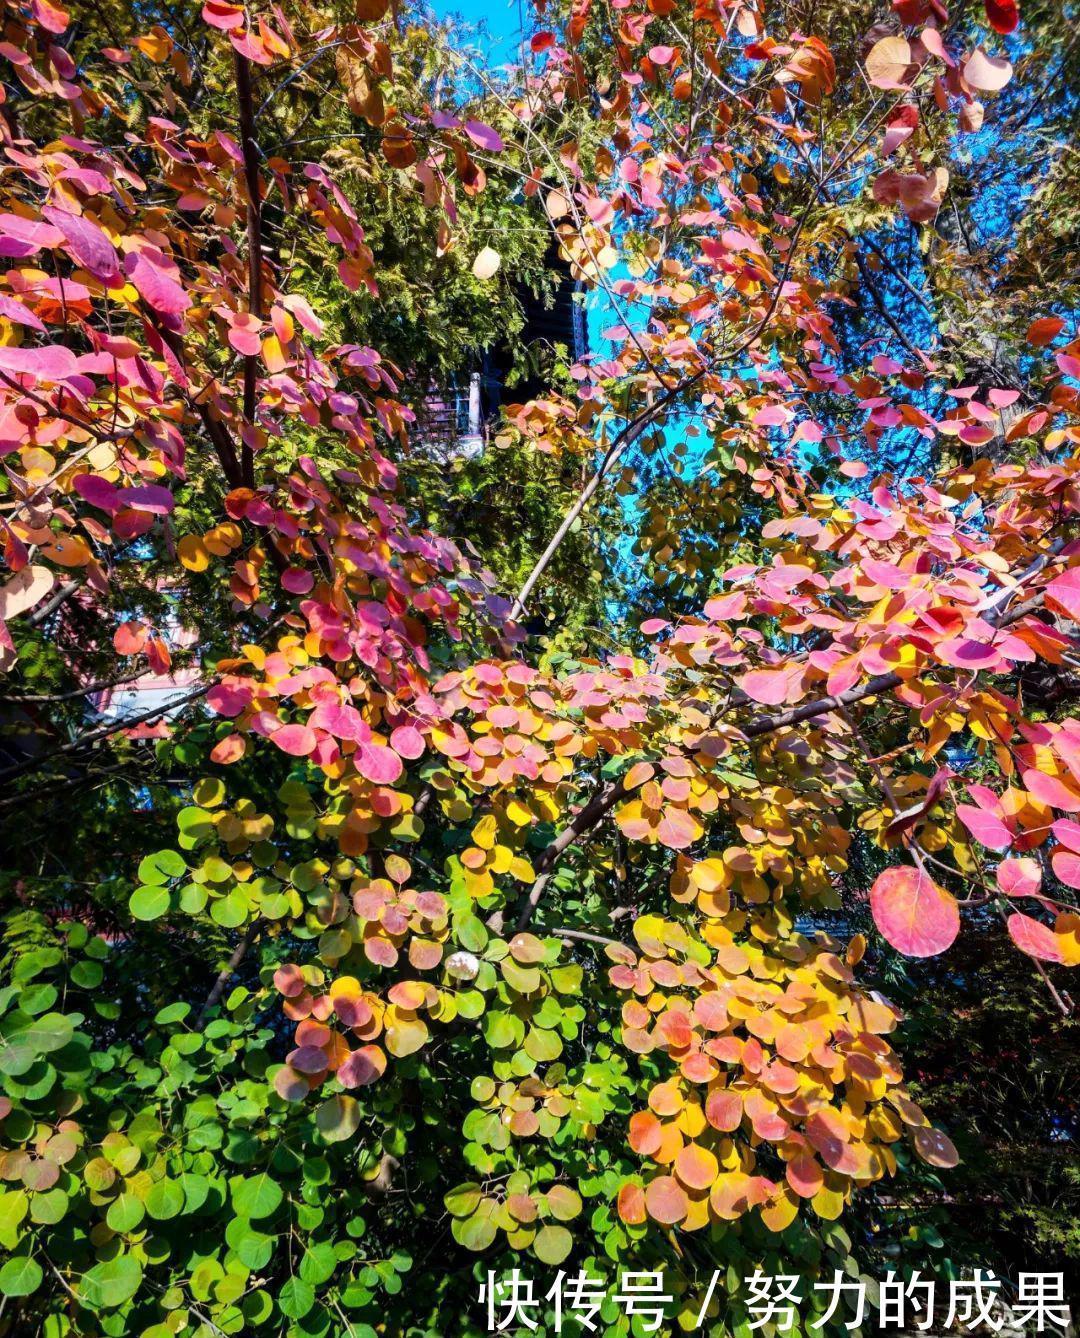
[(425, 859)]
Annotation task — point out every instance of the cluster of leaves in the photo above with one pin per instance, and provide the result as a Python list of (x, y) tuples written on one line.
[(472, 1010)]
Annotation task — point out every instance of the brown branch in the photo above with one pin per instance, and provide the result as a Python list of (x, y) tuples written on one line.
[(62, 595), (83, 691), (586, 937), (226, 972), (216, 431), (246, 107), (586, 819), (93, 736)]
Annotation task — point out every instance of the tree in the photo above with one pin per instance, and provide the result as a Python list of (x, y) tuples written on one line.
[(423, 930)]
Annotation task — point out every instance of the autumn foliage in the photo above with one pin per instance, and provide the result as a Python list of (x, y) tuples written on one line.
[(589, 912)]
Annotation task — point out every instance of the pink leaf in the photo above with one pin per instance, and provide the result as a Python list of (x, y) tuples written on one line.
[(1067, 832), (1066, 866), (987, 74), (87, 244), (147, 497), (21, 315), (296, 740), (677, 829), (1064, 591), (378, 764), (916, 916), (1034, 938), (1049, 790), (1019, 877), (21, 237), (25, 589), (407, 741), (51, 362), (221, 15), (97, 491), (156, 286), (360, 1068), (985, 827), (768, 686), (229, 698), (483, 136), (297, 580)]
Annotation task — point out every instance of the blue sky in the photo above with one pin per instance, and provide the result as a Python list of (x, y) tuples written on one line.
[(501, 18)]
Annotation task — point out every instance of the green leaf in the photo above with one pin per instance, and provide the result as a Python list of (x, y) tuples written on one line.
[(500, 1031), (20, 1277), (296, 1298), (471, 932), (149, 902), (475, 1233), (230, 911), (338, 1118), (318, 1264), (125, 1213), (552, 1244), (42, 1036), (165, 1200), (161, 866), (87, 975), (257, 1196), (110, 1284), (463, 1199)]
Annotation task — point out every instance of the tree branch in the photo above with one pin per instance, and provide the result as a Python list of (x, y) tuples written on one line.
[(226, 972), (249, 147), (93, 736)]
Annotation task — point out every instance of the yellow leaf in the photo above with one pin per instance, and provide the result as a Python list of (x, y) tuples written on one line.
[(193, 552)]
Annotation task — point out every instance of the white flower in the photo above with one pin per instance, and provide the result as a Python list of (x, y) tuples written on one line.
[(462, 966)]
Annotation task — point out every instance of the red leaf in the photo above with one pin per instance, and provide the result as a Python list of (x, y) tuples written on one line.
[(1045, 330), (129, 638), (916, 916), (1003, 15)]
